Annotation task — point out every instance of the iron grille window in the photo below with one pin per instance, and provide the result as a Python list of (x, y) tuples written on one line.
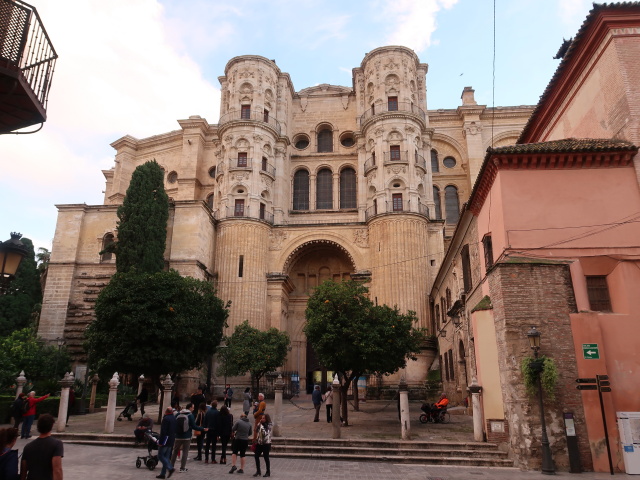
[(301, 190), (436, 201), (324, 189), (445, 367), (435, 166), (325, 140), (451, 204), (241, 265), (210, 201), (466, 268), (245, 112), (264, 164), (242, 159), (437, 319), (443, 310), (394, 152), (266, 115), (375, 206), (392, 103), (448, 294), (348, 188), (262, 211), (238, 211), (397, 202), (451, 369), (598, 292), (487, 245)]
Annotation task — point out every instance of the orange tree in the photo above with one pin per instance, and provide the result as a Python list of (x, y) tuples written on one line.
[(352, 336)]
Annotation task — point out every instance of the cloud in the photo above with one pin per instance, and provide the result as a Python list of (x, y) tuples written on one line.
[(413, 21), (329, 29)]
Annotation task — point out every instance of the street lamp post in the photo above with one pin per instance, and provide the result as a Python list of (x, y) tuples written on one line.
[(60, 342), (11, 254), (536, 365)]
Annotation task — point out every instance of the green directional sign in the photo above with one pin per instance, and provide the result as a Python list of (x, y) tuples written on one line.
[(590, 351)]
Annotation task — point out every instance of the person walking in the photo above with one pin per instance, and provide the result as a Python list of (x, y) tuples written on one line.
[(185, 424), (316, 398), (8, 457), (240, 431), (247, 399), (166, 441), (212, 433), (42, 458), (228, 396), (202, 411), (327, 398), (263, 445), (17, 409), (143, 398), (30, 414), (223, 426)]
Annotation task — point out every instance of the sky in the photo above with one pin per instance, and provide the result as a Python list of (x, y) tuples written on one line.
[(135, 67)]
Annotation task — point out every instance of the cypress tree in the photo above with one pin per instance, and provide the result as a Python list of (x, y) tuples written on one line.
[(142, 222)]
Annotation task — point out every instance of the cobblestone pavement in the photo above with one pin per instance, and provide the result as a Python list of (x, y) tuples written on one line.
[(101, 463)]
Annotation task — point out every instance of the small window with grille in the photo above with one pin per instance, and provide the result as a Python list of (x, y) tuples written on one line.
[(242, 159), (245, 112), (488, 251), (239, 208), (392, 104), (265, 116), (397, 202), (325, 140), (324, 189), (394, 152), (598, 292)]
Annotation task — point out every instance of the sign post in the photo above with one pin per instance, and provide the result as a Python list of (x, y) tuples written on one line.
[(590, 351)]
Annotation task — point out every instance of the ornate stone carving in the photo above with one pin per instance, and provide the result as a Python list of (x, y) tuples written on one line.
[(303, 103), (361, 237), (276, 239), (345, 101), (396, 169), (378, 131), (409, 129), (228, 138), (471, 129), (257, 138)]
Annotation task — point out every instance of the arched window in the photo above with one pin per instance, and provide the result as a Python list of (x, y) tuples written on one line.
[(348, 188), (107, 240), (324, 189), (435, 166), (451, 204), (210, 201), (325, 140), (301, 190), (436, 201)]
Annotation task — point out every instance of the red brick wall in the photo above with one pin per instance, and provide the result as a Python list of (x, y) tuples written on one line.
[(541, 295)]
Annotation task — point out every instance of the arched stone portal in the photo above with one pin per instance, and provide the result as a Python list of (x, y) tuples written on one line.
[(307, 267)]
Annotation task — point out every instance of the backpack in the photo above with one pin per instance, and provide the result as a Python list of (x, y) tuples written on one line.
[(183, 423), (25, 406)]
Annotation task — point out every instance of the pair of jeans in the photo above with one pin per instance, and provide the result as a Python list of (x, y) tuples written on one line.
[(27, 421), (164, 455), (181, 444), (263, 450), (212, 437)]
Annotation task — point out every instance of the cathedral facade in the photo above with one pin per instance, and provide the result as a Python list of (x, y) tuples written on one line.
[(292, 188)]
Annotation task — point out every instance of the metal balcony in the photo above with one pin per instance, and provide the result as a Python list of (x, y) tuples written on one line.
[(240, 163), (396, 157), (27, 62), (254, 116), (420, 162), (390, 207), (243, 212), (401, 107), (369, 164)]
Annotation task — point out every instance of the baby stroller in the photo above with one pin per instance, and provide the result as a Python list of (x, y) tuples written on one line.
[(439, 416), (151, 460), (128, 411)]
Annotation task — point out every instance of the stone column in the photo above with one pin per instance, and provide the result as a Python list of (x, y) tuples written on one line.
[(109, 423), (94, 386), (167, 388), (140, 383), (475, 390), (21, 380), (405, 421), (277, 421), (66, 383), (337, 408)]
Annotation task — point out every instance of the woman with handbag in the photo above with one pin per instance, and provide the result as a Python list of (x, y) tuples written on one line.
[(202, 411), (223, 425), (263, 444)]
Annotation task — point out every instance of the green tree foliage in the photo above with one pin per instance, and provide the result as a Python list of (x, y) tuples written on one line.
[(352, 336), (142, 222), (21, 301), (154, 323), (254, 351), (23, 350)]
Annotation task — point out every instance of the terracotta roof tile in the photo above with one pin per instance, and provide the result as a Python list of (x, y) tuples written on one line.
[(566, 145)]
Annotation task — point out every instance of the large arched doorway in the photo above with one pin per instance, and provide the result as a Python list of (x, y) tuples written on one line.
[(307, 267)]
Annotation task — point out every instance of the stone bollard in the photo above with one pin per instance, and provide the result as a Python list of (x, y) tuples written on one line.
[(167, 386), (140, 383), (405, 421), (475, 390), (109, 423), (336, 412), (279, 386), (21, 381), (63, 409), (94, 385)]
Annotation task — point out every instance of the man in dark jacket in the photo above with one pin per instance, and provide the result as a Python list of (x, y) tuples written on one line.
[(198, 398), (316, 398), (184, 432), (166, 441), (212, 434)]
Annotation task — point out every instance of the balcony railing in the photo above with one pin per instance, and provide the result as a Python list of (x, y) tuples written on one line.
[(27, 59), (240, 163), (243, 212), (420, 161), (256, 116), (268, 169), (397, 156), (369, 164), (402, 107), (391, 207)]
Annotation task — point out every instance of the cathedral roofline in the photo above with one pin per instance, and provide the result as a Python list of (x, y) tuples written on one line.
[(391, 48), (258, 58)]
